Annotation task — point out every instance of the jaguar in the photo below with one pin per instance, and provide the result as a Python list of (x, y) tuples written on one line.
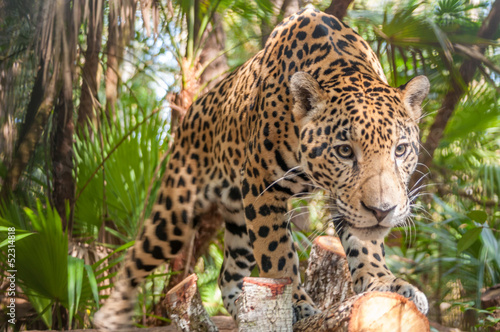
[(312, 110)]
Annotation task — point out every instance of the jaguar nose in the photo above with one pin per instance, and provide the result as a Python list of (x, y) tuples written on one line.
[(378, 213)]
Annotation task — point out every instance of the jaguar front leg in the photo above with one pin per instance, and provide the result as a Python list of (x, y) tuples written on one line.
[(369, 271), (271, 240)]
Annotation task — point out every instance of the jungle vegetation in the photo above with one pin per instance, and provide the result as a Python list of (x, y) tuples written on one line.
[(91, 89)]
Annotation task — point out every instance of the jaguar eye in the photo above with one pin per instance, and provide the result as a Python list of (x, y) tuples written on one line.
[(401, 150), (344, 151)]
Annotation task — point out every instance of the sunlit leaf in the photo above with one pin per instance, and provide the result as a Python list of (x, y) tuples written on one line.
[(478, 216), (75, 281), (468, 239)]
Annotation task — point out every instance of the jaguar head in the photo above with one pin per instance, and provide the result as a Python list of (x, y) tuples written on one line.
[(359, 142)]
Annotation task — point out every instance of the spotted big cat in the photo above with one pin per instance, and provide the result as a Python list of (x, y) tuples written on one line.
[(311, 110)]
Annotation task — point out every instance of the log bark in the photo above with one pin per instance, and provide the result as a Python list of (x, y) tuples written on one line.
[(368, 312), (328, 280), (186, 309), (265, 305)]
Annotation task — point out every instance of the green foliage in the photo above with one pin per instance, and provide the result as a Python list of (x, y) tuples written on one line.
[(114, 172), (208, 272), (119, 185), (43, 269)]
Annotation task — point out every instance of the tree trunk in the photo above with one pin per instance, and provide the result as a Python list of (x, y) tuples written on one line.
[(41, 103), (9, 77), (338, 8), (212, 56), (112, 62), (63, 191), (456, 92), (283, 9), (62, 159), (121, 19), (88, 98)]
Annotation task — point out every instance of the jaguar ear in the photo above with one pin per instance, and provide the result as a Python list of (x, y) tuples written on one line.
[(307, 94), (414, 92)]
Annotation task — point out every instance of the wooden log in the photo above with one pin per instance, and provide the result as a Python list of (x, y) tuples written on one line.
[(265, 305), (368, 312), (328, 280), (186, 309)]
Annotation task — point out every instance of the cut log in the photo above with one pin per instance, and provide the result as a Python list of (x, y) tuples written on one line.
[(368, 312), (186, 309), (328, 280), (265, 305)]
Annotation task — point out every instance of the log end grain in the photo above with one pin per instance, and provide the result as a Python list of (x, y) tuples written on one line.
[(384, 311), (331, 244)]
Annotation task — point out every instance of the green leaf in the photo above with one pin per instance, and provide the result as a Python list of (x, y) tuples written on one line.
[(42, 306), (75, 281), (17, 236), (478, 216), (468, 239), (93, 284)]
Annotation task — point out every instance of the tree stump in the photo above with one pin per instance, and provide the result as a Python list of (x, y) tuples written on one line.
[(328, 280), (368, 312), (186, 309), (265, 305)]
